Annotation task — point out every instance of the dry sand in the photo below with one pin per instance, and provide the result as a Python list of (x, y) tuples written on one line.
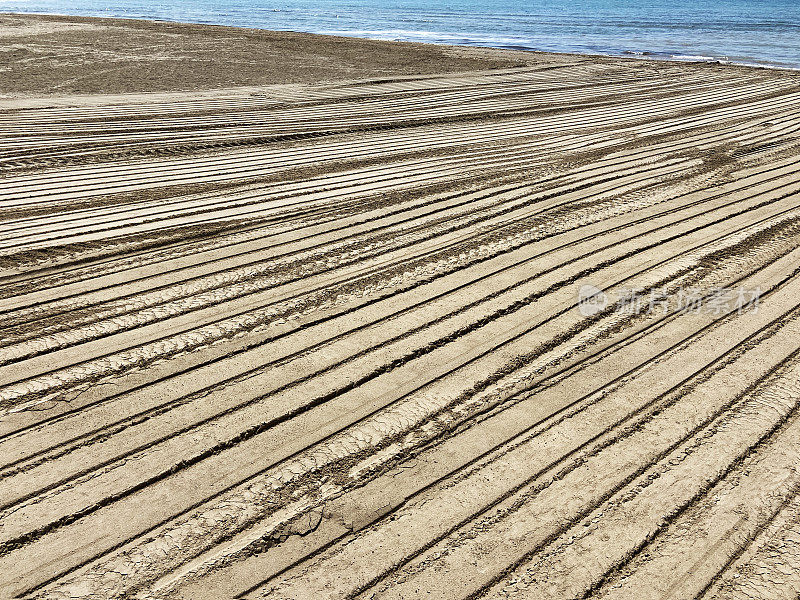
[(296, 317)]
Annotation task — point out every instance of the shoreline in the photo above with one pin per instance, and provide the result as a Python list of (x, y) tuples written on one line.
[(656, 55), (400, 58)]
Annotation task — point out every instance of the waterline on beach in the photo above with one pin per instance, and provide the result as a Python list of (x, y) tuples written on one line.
[(756, 32)]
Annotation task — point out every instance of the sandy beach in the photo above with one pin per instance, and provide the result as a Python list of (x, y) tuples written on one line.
[(303, 317)]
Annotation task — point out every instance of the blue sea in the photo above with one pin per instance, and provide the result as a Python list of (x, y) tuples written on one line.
[(762, 32)]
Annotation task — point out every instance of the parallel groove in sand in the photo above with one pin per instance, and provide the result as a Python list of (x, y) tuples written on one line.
[(386, 324)]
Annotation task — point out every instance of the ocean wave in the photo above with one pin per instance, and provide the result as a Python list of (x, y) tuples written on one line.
[(697, 57), (418, 35)]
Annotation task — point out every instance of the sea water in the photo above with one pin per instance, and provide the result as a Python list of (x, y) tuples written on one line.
[(762, 32)]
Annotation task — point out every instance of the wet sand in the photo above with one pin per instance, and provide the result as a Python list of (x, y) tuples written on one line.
[(52, 55)]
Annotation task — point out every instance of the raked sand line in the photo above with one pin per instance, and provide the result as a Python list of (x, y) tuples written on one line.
[(326, 340)]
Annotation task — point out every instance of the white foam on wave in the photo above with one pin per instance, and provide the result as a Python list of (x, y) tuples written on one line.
[(698, 57), (415, 35)]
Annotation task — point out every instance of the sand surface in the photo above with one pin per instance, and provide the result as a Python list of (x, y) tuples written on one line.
[(393, 321), (52, 55)]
